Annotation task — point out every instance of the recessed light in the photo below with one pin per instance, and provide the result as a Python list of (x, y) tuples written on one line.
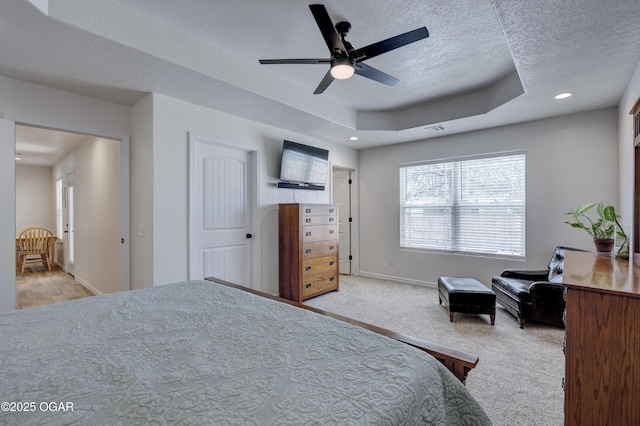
[(562, 95), (353, 138), (435, 128)]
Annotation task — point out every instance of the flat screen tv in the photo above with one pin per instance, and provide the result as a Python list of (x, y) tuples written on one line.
[(303, 166)]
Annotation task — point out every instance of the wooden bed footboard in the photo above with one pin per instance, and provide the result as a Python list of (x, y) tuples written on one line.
[(458, 362)]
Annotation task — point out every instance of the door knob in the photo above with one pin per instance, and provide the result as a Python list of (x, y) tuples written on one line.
[(249, 235)]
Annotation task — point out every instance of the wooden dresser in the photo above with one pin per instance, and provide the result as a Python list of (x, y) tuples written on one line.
[(602, 348), (308, 250)]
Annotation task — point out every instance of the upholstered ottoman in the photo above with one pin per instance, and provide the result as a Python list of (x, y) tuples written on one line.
[(467, 295)]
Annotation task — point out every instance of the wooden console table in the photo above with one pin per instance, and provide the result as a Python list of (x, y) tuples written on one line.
[(602, 373)]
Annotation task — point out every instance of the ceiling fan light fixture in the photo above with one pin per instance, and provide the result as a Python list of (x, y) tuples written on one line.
[(342, 68)]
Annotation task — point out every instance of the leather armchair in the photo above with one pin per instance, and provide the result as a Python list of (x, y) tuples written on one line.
[(534, 295)]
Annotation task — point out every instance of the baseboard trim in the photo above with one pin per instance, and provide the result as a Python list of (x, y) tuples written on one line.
[(88, 286), (397, 279), (82, 282)]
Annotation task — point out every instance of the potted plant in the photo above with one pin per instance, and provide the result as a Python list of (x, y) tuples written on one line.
[(603, 229)]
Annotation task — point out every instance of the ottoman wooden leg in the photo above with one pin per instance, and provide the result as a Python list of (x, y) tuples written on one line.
[(450, 316), (493, 319)]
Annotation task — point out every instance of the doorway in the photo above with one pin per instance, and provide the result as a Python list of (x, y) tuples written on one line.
[(69, 228), (223, 211), (96, 201), (341, 194)]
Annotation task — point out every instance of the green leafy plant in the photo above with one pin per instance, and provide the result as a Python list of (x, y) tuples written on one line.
[(605, 226)]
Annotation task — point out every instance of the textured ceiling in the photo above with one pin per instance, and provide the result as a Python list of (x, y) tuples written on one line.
[(486, 62)]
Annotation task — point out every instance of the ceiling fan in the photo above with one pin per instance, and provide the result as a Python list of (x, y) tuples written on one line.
[(345, 60)]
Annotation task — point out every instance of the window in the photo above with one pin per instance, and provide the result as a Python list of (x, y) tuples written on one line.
[(465, 205), (59, 209)]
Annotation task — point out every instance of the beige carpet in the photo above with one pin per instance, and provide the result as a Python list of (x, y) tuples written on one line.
[(518, 380)]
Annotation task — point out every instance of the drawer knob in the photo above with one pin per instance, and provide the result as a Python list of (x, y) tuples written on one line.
[(331, 219), (307, 210), (308, 268), (331, 210), (331, 231), (308, 234), (332, 247), (332, 263), (308, 251), (332, 279), (308, 220), (308, 285)]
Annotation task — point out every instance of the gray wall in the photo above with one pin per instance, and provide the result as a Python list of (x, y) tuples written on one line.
[(570, 160), (626, 150), (96, 164), (35, 203)]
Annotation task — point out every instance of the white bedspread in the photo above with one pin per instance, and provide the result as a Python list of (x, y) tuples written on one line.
[(198, 353)]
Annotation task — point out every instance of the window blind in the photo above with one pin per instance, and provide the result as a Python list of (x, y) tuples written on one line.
[(465, 205)]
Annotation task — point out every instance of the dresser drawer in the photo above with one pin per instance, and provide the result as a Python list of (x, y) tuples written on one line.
[(311, 234), (321, 249), (322, 265), (319, 220), (319, 211), (319, 284)]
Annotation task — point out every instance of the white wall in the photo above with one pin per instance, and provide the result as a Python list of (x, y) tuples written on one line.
[(570, 160), (142, 194), (96, 212), (626, 149), (172, 122), (35, 201), (7, 217), (34, 104)]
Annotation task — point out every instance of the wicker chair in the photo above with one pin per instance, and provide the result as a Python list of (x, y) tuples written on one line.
[(34, 244)]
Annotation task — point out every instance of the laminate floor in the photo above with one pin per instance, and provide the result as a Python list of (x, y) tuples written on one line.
[(38, 287)]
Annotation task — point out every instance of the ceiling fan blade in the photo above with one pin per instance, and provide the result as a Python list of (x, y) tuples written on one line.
[(374, 74), (331, 37), (384, 46), (294, 61), (326, 81)]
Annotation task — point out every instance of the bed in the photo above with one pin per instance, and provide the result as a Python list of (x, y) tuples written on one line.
[(203, 352)]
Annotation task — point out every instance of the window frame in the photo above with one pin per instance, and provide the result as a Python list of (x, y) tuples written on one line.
[(453, 217)]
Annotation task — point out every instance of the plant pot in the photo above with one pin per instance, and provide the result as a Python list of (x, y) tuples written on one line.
[(604, 245)]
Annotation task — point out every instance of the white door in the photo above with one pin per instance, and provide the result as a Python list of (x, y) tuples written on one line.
[(68, 238), (221, 225), (342, 196)]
